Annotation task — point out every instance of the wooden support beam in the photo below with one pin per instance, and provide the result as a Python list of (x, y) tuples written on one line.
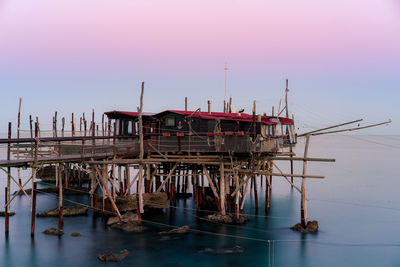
[(210, 182), (222, 188), (166, 179), (33, 212), (60, 201), (303, 208)]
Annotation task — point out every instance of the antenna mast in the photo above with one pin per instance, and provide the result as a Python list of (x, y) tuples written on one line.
[(226, 76)]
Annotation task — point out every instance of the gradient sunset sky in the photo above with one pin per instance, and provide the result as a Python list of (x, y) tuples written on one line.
[(342, 58)]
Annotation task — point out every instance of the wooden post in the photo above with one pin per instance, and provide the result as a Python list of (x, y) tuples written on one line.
[(222, 187), (62, 126), (237, 209), (141, 155), (60, 202), (19, 124), (7, 215), (33, 216), (7, 209), (209, 106), (102, 124), (30, 125), (186, 104), (72, 125), (55, 124), (303, 209)]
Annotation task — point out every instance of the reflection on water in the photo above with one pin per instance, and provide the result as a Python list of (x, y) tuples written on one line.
[(357, 207)]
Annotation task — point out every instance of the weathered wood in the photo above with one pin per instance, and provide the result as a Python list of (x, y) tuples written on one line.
[(141, 153), (303, 208), (60, 201), (33, 212), (354, 129), (167, 178), (210, 182), (330, 127), (222, 188)]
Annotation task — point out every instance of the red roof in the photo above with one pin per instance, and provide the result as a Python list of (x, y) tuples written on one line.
[(128, 113), (230, 116), (210, 116)]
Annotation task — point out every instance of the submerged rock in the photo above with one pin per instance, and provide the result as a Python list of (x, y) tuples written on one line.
[(234, 250), (128, 223), (75, 210), (181, 230), (228, 218), (48, 174), (150, 200), (128, 217), (109, 256), (312, 227), (53, 231), (3, 213), (76, 234), (53, 189)]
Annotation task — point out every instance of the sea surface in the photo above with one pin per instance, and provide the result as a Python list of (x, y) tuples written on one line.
[(357, 206)]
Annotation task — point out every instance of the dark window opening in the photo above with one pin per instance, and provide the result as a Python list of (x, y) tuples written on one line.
[(170, 122)]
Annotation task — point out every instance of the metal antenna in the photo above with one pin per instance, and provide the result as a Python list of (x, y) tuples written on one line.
[(226, 76)]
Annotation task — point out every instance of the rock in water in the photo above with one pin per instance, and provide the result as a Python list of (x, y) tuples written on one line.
[(53, 231), (180, 230), (228, 218), (109, 256), (234, 250), (75, 234), (150, 200), (128, 223), (312, 227), (128, 217), (75, 210)]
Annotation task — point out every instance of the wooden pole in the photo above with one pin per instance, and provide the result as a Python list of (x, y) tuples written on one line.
[(330, 127), (303, 208), (33, 215), (141, 155), (237, 208), (7, 209), (222, 187), (209, 106), (186, 104), (62, 126), (19, 124), (102, 124), (72, 125), (30, 125), (55, 124), (60, 202)]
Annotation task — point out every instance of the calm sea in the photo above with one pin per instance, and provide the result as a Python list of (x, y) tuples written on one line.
[(357, 206)]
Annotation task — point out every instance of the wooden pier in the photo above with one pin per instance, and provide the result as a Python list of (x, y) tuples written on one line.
[(137, 155)]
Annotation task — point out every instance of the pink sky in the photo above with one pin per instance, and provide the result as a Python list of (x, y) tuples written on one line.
[(334, 52), (202, 31)]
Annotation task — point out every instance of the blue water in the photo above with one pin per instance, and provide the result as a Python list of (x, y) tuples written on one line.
[(357, 206)]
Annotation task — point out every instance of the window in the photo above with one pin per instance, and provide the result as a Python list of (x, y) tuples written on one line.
[(170, 122), (126, 127)]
